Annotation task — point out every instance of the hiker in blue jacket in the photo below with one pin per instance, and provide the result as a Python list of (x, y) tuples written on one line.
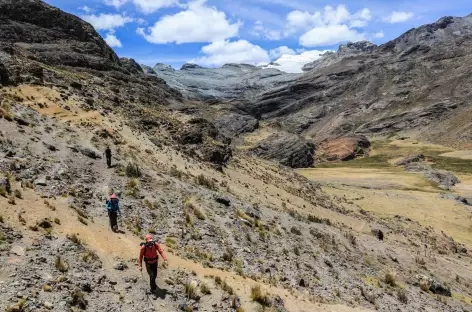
[(113, 209)]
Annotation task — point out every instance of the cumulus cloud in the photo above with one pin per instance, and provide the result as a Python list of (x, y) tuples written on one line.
[(330, 26), (329, 35), (398, 17), (145, 6), (278, 52), (86, 9), (107, 21), (224, 52), (113, 41), (199, 23), (379, 34), (293, 63)]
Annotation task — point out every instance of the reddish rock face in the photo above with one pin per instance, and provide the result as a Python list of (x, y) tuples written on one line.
[(344, 148)]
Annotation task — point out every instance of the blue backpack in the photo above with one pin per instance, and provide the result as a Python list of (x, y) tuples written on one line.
[(113, 205)]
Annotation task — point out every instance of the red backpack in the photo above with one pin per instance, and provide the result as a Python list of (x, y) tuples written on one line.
[(150, 251)]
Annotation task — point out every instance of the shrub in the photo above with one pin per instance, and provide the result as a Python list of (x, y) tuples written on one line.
[(132, 188), (204, 289), (33, 228), (191, 290), (390, 278), (57, 221), (295, 231), (61, 265), (218, 280), (206, 182), (1, 219), (18, 194), (199, 213), (132, 170), (424, 286), (90, 256), (3, 191), (225, 286), (82, 220), (402, 296), (73, 238), (259, 296), (12, 200), (228, 255), (78, 299), (47, 288)]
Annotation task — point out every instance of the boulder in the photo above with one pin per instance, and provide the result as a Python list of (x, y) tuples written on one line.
[(233, 124), (41, 182), (445, 179), (222, 200), (44, 223), (343, 148), (86, 151), (435, 286), (410, 159), (288, 149)]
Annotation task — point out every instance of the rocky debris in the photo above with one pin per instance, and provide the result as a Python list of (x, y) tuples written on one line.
[(222, 200), (435, 286), (44, 223), (459, 199), (5, 184), (287, 149), (411, 159), (343, 148), (70, 42), (86, 150), (232, 124), (201, 139), (445, 179), (50, 147), (41, 182)]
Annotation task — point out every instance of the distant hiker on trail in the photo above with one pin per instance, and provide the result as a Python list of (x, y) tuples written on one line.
[(148, 252), (113, 209), (108, 156)]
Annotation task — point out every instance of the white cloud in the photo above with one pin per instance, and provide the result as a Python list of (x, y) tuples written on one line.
[(86, 9), (145, 6), (330, 26), (278, 52), (259, 30), (224, 52), (107, 21), (151, 6), (113, 41), (294, 63), (199, 23), (329, 35), (398, 17), (116, 3), (379, 35)]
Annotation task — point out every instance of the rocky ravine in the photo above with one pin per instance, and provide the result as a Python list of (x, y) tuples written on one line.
[(244, 221)]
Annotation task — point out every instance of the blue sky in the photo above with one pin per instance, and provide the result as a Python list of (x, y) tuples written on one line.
[(212, 33)]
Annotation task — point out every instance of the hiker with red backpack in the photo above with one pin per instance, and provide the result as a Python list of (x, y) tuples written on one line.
[(113, 209), (149, 252)]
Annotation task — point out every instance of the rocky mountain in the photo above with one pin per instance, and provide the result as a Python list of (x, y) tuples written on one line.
[(241, 232), (418, 83)]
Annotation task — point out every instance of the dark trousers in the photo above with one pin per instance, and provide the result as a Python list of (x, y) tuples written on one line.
[(152, 271), (113, 216), (109, 161)]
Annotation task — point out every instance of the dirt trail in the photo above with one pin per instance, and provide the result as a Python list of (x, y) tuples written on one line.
[(97, 236)]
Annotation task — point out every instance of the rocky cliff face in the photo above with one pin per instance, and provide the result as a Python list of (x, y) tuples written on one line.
[(51, 36)]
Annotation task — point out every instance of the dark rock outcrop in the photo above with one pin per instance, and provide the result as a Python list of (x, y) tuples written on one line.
[(233, 124), (52, 36), (131, 65), (287, 149)]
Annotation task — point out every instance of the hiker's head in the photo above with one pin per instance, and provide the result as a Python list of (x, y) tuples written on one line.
[(113, 196), (148, 238)]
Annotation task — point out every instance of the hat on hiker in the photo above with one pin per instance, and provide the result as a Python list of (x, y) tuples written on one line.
[(113, 196), (148, 238)]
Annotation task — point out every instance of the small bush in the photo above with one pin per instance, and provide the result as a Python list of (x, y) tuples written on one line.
[(258, 296), (21, 219), (90, 256), (228, 255), (199, 213), (424, 285), (1, 219), (132, 170), (225, 286), (218, 280), (18, 194), (3, 191), (295, 231), (206, 182), (61, 265), (402, 296), (12, 200), (204, 289), (33, 228), (132, 188), (78, 299), (191, 290), (47, 288), (390, 278), (73, 238), (57, 221)]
